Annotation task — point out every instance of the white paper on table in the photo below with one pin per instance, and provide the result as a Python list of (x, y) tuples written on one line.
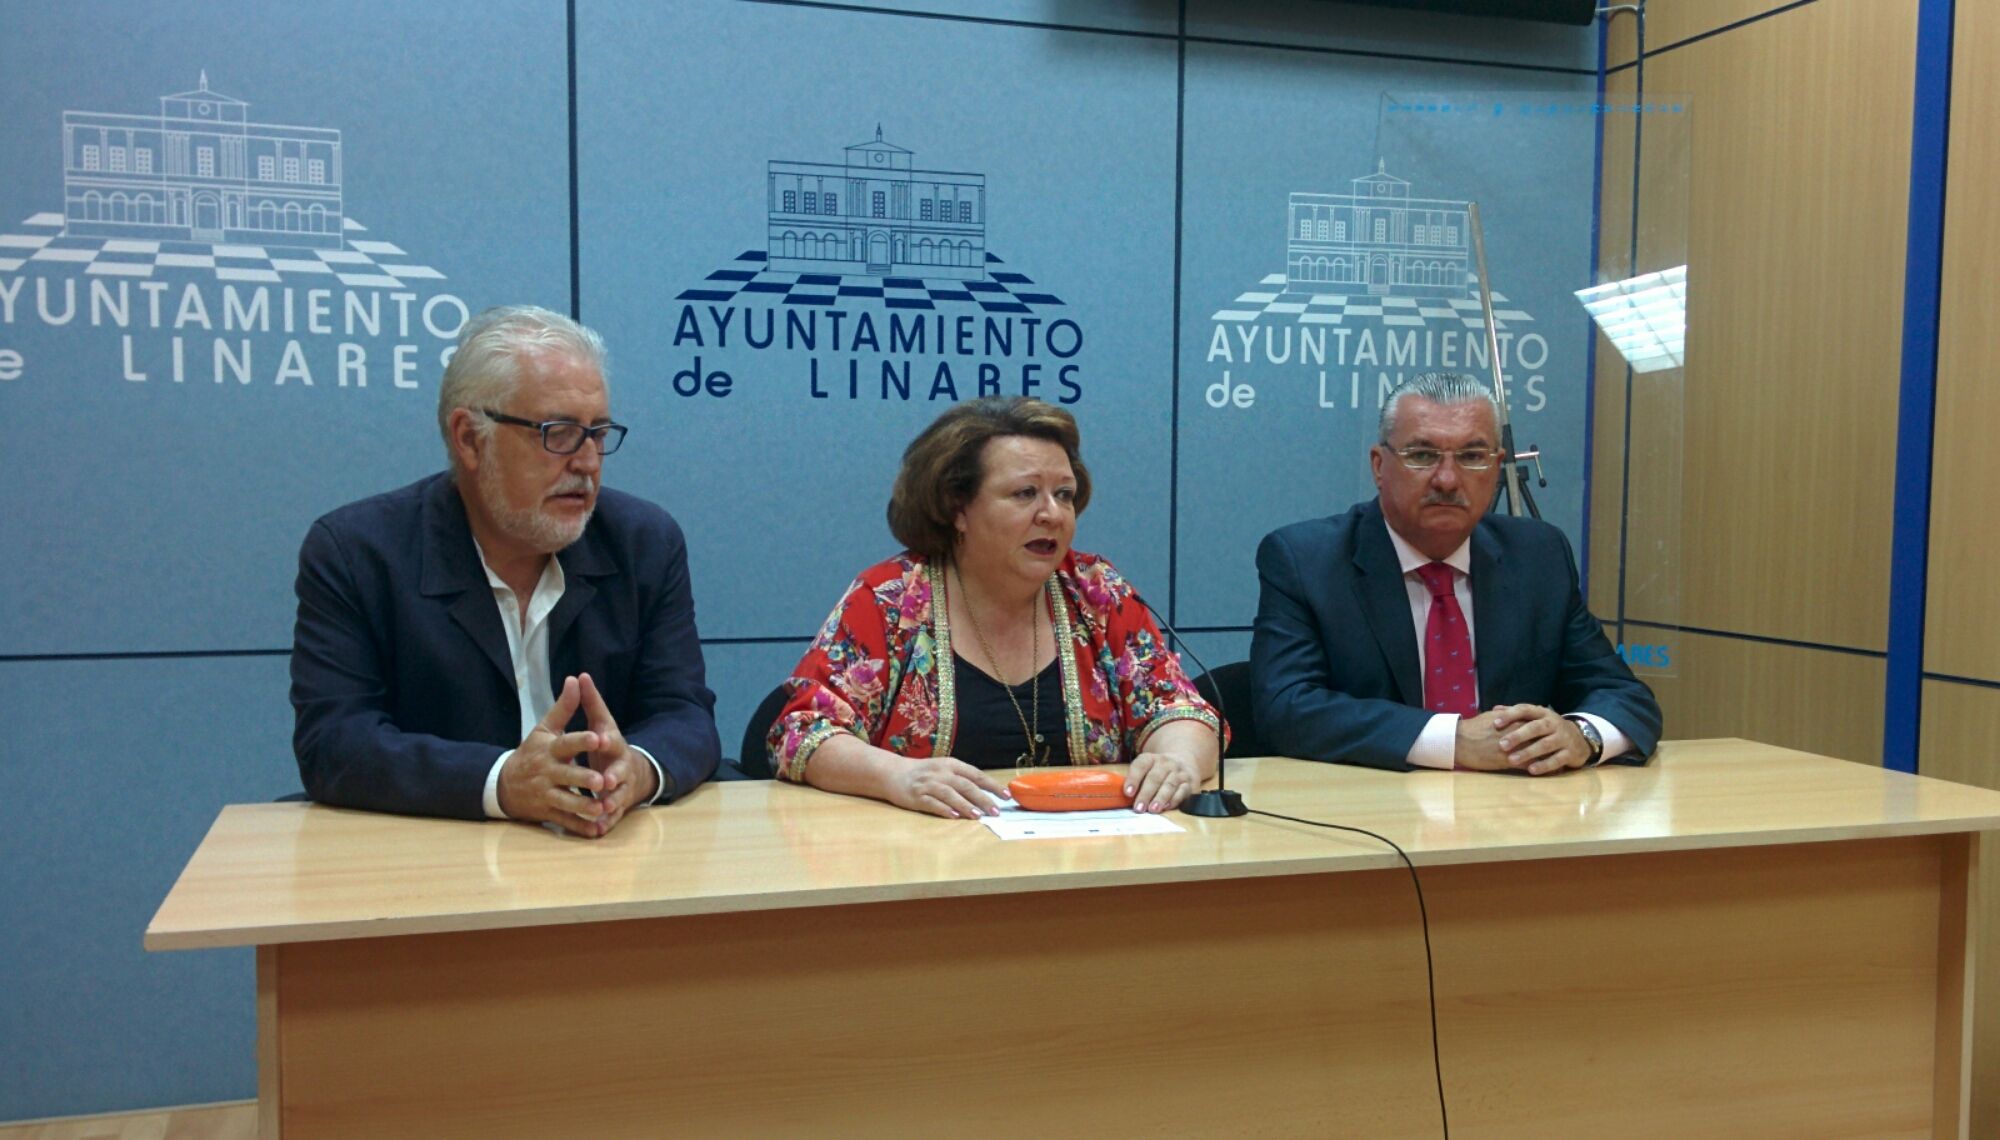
[(1015, 822)]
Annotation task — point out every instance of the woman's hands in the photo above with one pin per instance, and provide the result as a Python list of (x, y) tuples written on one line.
[(1159, 781), (944, 786), (1179, 757)]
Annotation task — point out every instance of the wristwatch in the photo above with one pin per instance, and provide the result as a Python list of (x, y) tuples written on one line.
[(1591, 736)]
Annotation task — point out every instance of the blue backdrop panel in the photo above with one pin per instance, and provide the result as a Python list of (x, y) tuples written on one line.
[(212, 237), (1287, 335), (155, 507), (148, 752), (706, 135), (1385, 30), (1217, 649)]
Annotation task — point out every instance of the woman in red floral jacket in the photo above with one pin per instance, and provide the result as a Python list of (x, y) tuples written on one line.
[(989, 643)]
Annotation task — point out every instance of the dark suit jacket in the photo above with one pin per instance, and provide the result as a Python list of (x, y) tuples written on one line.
[(401, 679), (1334, 656)]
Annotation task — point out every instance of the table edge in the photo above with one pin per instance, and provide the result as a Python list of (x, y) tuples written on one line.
[(1362, 855)]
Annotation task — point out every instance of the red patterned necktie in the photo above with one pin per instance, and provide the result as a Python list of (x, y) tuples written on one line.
[(1450, 684)]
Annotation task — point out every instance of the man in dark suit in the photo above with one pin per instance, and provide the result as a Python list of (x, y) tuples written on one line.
[(506, 639), (1414, 631)]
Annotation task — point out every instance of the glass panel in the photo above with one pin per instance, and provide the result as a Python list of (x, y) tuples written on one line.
[(1608, 332)]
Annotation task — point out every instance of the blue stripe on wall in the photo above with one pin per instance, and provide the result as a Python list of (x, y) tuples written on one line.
[(1909, 564)]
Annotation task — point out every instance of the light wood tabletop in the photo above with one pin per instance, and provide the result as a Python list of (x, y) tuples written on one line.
[(1777, 944), (282, 873)]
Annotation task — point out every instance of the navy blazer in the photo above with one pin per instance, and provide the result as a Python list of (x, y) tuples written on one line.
[(1334, 670), (401, 680)]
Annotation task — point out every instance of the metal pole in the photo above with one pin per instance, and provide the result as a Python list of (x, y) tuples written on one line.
[(1517, 499)]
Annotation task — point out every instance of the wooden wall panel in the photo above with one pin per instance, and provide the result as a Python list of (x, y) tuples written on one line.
[(1961, 723), (1962, 743), (1963, 609), (1797, 214), (1815, 700), (1764, 466), (1672, 21), (1621, 38), (1648, 519)]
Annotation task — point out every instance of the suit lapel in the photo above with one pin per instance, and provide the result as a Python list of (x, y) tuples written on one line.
[(1385, 599), (1491, 636), (584, 560), (451, 566), (478, 615)]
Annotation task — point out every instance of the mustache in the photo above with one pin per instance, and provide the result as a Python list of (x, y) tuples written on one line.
[(572, 483), (1445, 499)]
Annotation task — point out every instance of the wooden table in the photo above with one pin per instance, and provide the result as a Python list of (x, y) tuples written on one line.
[(1738, 940)]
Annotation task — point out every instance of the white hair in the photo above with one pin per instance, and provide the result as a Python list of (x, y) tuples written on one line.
[(1439, 388), (485, 368)]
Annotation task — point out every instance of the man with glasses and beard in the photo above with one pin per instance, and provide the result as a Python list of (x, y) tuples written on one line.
[(505, 639), (1416, 631)]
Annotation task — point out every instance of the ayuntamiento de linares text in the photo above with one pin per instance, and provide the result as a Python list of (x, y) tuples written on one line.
[(887, 355)]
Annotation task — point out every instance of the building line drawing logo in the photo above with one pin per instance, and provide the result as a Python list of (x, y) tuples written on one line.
[(876, 215), (874, 227), (1374, 252), (200, 187), (1377, 286), (875, 283), (1378, 240)]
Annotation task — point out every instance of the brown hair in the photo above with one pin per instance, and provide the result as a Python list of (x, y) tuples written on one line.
[(942, 471)]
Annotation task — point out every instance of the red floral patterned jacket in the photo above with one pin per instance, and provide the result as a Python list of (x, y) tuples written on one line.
[(879, 668)]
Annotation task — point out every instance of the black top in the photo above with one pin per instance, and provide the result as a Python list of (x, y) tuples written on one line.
[(989, 730)]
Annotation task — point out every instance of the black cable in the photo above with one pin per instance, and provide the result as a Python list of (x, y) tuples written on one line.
[(1430, 971), (1221, 759)]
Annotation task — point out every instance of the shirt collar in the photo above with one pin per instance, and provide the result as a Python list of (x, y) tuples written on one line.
[(552, 580), (1410, 558)]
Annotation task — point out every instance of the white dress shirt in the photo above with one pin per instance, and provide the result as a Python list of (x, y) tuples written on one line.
[(1437, 744), (528, 647)]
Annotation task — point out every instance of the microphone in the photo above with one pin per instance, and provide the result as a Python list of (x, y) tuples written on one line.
[(1220, 803)]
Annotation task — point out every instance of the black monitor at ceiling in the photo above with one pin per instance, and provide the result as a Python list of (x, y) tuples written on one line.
[(1577, 12)]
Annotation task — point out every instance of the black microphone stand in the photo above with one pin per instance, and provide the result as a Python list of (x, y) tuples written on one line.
[(1220, 803)]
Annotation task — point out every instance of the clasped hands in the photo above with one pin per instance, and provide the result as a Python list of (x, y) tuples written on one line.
[(541, 781), (948, 787), (1526, 738)]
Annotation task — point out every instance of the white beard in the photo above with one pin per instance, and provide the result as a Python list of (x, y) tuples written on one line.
[(535, 527)]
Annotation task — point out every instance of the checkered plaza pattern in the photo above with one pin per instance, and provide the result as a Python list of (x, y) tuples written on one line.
[(747, 280), (1274, 302), (363, 263)]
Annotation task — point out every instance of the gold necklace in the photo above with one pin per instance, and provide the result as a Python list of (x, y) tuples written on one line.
[(1036, 754)]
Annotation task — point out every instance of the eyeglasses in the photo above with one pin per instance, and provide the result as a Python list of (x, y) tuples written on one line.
[(565, 437), (1467, 458)]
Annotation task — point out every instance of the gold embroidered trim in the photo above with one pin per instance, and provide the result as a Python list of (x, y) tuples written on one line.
[(1072, 691), (941, 661), (1180, 712), (795, 771)]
